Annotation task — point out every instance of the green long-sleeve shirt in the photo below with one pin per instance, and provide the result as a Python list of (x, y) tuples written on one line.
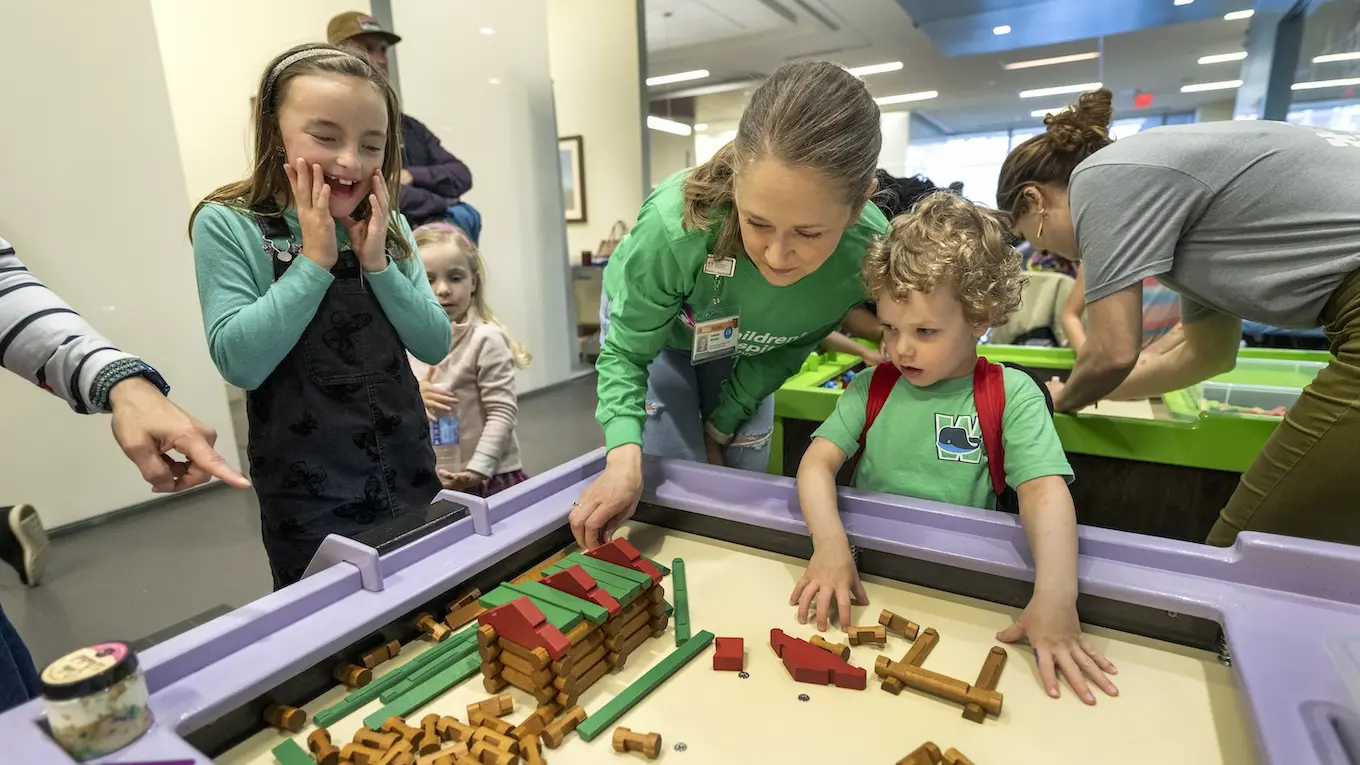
[(253, 321), (657, 272)]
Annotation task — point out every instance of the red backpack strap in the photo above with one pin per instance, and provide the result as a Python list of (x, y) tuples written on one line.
[(989, 396), (880, 387)]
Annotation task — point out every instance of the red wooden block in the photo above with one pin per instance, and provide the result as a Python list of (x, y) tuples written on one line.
[(621, 552), (809, 664), (575, 581), (731, 654), (520, 622)]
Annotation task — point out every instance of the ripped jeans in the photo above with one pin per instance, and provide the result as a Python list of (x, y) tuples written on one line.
[(681, 396)]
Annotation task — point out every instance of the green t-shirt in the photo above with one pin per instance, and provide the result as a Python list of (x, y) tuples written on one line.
[(951, 465), (655, 277)]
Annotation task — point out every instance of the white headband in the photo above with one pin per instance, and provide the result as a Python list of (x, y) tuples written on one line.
[(289, 61)]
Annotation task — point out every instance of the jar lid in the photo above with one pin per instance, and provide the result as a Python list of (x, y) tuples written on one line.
[(88, 671)]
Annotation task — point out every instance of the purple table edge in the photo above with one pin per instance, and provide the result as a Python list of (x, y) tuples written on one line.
[(1289, 607)]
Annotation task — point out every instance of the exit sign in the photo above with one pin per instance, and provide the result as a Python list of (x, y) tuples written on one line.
[(1142, 100)]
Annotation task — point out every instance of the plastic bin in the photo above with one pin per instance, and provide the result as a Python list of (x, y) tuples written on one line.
[(1268, 399), (1272, 372)]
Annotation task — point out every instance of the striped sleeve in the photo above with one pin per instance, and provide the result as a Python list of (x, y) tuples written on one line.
[(47, 343)]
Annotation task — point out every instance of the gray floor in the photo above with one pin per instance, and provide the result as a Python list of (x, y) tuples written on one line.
[(154, 572)]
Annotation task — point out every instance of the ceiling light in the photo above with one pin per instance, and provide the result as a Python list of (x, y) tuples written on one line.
[(666, 79), (1239, 15), (1041, 113), (1183, 2), (668, 126), (1223, 58), (924, 95), (1052, 61), (1004, 29), (1201, 87), (1060, 90), (700, 126), (494, 81), (488, 31), (1333, 57), (861, 71), (1315, 84)]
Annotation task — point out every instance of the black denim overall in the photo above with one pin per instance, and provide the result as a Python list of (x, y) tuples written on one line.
[(339, 440)]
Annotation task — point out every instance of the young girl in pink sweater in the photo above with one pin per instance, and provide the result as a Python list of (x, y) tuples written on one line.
[(470, 395)]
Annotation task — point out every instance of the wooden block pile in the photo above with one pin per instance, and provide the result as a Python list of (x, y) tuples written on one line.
[(486, 739), (556, 637)]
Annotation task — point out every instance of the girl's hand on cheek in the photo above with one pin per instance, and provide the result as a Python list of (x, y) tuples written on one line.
[(312, 197), (369, 236)]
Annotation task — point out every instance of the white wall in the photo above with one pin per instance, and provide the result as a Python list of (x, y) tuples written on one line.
[(1218, 111), (594, 58), (94, 200), (489, 99), (214, 54), (669, 153), (709, 142), (896, 129)]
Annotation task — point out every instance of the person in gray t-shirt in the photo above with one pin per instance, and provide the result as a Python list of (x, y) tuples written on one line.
[(1246, 220)]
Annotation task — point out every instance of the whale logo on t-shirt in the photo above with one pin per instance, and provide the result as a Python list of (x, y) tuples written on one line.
[(957, 438)]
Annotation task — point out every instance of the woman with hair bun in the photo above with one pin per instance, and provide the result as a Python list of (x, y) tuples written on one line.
[(1246, 220)]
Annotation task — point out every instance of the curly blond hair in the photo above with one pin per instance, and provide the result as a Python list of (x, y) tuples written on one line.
[(947, 240)]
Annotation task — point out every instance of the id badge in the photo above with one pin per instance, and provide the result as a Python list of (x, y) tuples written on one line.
[(716, 338)]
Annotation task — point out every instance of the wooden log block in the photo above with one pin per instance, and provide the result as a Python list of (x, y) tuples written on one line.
[(939, 685), (835, 649), (915, 656), (286, 718), (988, 677), (925, 754), (558, 729), (899, 625), (875, 635), (537, 657), (646, 744)]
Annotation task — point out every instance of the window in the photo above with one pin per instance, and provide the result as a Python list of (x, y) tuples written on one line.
[(976, 158)]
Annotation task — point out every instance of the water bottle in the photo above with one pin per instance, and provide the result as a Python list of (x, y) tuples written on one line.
[(444, 439)]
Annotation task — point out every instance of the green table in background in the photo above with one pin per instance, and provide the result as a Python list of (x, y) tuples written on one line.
[(1167, 477)]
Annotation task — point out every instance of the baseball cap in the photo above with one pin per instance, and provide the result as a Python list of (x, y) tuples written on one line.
[(351, 24)]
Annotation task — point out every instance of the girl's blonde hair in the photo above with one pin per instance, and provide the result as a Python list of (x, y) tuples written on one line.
[(433, 234), (946, 239), (810, 114), (266, 190)]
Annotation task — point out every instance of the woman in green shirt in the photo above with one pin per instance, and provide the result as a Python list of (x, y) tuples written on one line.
[(734, 272)]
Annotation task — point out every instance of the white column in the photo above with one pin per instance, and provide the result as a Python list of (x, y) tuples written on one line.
[(896, 128), (489, 98), (593, 57)]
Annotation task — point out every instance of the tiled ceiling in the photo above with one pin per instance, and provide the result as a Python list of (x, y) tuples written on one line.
[(976, 93)]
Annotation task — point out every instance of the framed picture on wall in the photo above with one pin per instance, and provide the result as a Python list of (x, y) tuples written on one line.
[(571, 155)]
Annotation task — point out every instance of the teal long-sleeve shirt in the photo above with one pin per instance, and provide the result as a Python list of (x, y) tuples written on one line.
[(253, 321)]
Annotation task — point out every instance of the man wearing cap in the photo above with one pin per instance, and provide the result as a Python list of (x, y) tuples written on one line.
[(433, 181)]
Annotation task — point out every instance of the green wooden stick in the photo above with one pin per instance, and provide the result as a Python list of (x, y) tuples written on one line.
[(361, 696), (654, 677), (425, 692)]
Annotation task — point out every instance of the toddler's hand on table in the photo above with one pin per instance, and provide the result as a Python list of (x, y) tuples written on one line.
[(460, 481), (312, 196), (830, 573), (1054, 632)]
